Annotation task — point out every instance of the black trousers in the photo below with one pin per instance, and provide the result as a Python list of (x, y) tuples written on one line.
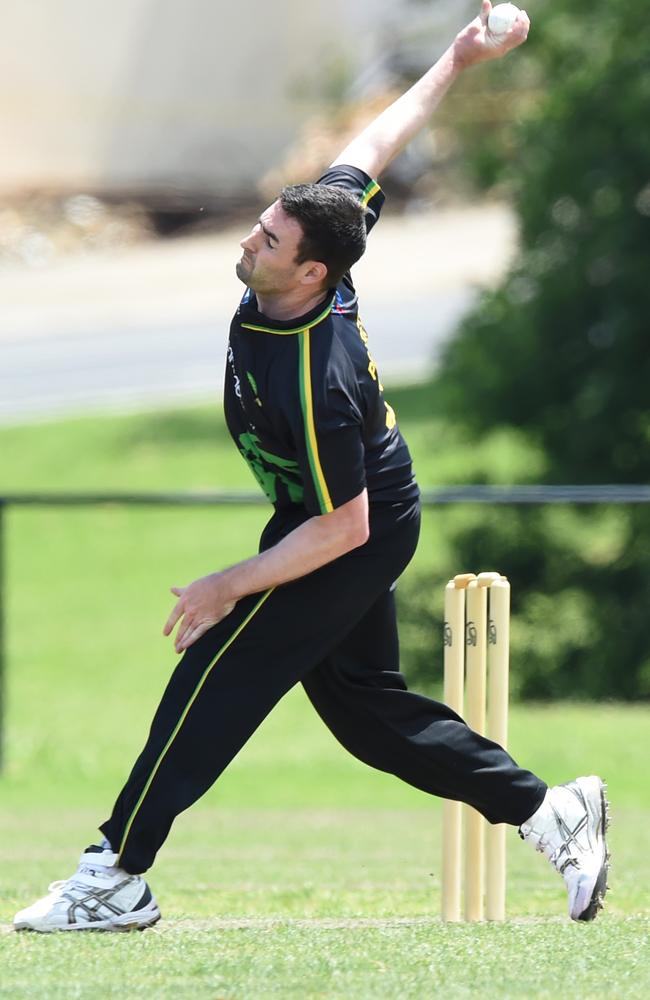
[(335, 631)]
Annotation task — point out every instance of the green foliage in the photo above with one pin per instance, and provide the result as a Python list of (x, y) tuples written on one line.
[(572, 317), (580, 584), (560, 350)]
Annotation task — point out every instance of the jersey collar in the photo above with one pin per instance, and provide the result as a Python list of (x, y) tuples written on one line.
[(251, 319)]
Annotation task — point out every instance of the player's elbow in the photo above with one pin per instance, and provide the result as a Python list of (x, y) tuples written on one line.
[(357, 536), (355, 524)]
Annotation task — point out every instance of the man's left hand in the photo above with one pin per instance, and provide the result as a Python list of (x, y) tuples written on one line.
[(200, 606)]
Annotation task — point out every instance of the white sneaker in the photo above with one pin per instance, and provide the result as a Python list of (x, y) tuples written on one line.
[(569, 828), (99, 896)]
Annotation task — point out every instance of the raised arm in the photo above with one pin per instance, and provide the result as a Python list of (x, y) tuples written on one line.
[(388, 134)]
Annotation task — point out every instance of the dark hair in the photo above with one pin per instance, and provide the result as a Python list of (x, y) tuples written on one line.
[(333, 226)]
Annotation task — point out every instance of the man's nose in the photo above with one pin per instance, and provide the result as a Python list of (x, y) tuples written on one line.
[(249, 241)]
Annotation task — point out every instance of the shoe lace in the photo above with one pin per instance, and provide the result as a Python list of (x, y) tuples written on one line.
[(555, 856), (74, 880)]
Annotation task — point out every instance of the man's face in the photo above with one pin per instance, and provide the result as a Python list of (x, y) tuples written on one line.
[(268, 264)]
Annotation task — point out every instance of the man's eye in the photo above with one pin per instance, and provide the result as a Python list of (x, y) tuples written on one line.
[(269, 244)]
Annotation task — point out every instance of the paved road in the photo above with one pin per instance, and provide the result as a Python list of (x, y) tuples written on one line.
[(122, 368), (149, 326)]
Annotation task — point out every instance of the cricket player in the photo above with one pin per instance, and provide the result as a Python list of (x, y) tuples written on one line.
[(305, 407)]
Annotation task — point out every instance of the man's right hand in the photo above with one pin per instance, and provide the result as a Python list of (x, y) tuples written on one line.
[(201, 605), (385, 137), (474, 44)]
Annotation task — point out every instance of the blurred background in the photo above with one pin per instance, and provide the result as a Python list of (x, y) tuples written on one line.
[(139, 143), (506, 296), (507, 301)]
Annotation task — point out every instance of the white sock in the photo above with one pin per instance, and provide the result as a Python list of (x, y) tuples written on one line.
[(539, 812)]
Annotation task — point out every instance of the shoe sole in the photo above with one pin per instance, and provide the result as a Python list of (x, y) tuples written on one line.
[(136, 921), (600, 887)]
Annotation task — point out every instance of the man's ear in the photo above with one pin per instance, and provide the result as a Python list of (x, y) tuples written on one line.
[(315, 273)]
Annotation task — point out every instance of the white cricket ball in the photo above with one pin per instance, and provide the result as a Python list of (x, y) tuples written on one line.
[(501, 19)]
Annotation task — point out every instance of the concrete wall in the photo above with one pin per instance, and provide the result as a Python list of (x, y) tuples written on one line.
[(188, 94)]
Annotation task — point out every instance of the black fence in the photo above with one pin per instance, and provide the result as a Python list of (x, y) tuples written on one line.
[(515, 495)]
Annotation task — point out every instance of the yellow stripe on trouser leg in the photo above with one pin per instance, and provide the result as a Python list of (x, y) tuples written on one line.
[(186, 710)]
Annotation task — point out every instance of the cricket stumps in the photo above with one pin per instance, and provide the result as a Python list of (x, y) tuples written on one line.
[(476, 668)]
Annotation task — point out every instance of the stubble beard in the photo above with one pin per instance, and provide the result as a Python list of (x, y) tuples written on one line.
[(244, 272), (255, 281)]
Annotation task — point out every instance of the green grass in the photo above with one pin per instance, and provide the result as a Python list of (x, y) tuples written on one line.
[(191, 449), (301, 873), (304, 874)]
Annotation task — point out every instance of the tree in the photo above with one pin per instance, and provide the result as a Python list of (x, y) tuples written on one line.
[(561, 351)]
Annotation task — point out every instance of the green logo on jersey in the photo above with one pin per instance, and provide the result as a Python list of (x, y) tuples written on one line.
[(270, 469)]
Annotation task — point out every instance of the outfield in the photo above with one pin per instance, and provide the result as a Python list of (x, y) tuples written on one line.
[(302, 873)]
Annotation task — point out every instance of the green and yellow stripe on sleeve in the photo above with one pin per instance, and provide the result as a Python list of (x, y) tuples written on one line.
[(307, 405), (369, 193)]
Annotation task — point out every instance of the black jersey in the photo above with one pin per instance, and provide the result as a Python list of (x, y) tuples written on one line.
[(303, 399)]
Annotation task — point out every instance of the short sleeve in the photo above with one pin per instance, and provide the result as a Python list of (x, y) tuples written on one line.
[(368, 190), (328, 430)]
